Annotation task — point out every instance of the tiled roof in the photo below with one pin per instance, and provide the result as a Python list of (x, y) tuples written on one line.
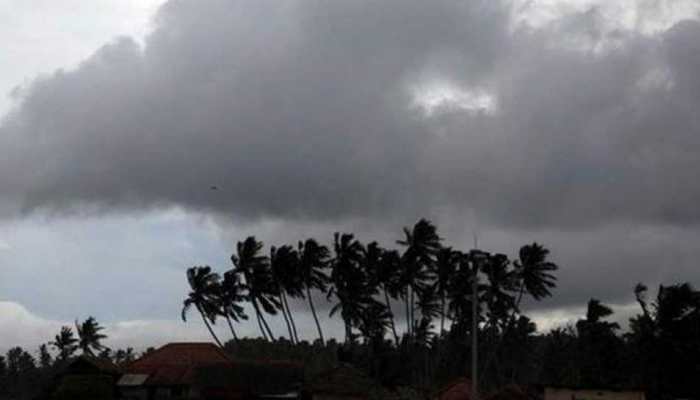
[(175, 363)]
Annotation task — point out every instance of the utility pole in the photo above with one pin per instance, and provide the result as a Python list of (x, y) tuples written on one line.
[(475, 326)]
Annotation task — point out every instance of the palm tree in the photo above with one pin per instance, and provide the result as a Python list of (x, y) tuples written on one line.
[(534, 272), (65, 343), (422, 244), (445, 266), (203, 287), (89, 336), (382, 267), (348, 281), (230, 295), (262, 289), (498, 289), (284, 265), (532, 275), (313, 259), (460, 291)]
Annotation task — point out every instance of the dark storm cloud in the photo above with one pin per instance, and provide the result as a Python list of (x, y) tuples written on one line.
[(305, 111), (291, 111)]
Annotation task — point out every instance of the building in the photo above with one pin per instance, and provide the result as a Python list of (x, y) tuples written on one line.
[(204, 371), (86, 377)]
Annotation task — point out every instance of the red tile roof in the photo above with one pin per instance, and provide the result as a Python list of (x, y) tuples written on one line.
[(175, 363)]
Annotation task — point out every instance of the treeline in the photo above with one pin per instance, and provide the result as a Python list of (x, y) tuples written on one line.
[(407, 313), (26, 375)]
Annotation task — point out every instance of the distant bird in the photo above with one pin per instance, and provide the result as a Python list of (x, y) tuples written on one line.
[(213, 187)]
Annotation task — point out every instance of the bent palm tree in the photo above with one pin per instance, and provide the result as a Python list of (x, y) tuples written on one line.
[(445, 266), (534, 272), (203, 283), (230, 295), (284, 267), (348, 281), (89, 336), (382, 267), (313, 259), (262, 290)]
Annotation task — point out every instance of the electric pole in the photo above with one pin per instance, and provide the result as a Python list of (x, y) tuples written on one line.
[(475, 323)]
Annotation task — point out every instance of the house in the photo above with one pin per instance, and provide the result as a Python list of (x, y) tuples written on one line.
[(169, 371), (86, 377), (205, 371), (567, 393)]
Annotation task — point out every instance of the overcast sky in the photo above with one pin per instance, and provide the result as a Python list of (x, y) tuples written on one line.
[(570, 123)]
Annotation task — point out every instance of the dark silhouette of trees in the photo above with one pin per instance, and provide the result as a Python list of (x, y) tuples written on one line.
[(313, 260), (348, 282), (65, 343), (231, 293), (45, 358), (89, 336), (421, 245), (284, 265), (658, 352), (262, 290), (203, 290), (434, 284)]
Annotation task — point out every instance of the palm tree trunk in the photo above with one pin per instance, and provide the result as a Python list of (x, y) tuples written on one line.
[(257, 314), (291, 319), (262, 328), (230, 325), (313, 311), (442, 314), (413, 310), (391, 316), (286, 318), (506, 330), (408, 314), (348, 332), (211, 331), (267, 327)]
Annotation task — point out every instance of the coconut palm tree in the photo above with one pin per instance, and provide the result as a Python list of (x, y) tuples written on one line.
[(421, 245), (533, 276), (89, 336), (262, 290), (382, 268), (348, 281), (499, 289), (446, 263), (284, 266), (203, 289), (534, 272), (231, 293), (313, 259), (65, 343)]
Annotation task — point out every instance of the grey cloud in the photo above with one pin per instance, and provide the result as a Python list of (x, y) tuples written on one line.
[(304, 111)]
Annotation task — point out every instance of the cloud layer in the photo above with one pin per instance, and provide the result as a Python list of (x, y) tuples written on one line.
[(309, 111)]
